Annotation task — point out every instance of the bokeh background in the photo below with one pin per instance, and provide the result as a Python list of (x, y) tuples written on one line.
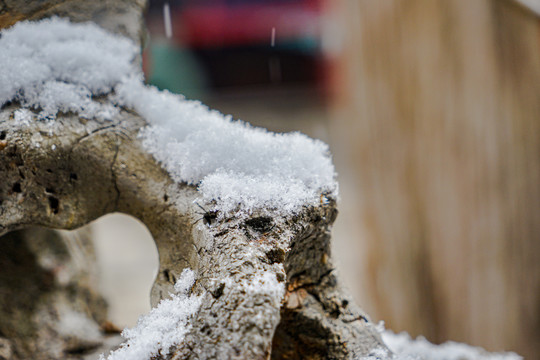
[(432, 111)]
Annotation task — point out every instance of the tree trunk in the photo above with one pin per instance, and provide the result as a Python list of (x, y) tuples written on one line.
[(49, 304), (98, 167)]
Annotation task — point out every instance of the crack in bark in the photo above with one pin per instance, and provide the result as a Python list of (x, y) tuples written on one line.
[(93, 132), (114, 178), (358, 318), (310, 284)]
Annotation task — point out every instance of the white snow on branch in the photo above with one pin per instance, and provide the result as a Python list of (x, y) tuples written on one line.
[(165, 326), (406, 348), (55, 66), (261, 284), (238, 166)]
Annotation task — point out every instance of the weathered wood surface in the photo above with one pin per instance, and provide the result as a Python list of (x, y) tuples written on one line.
[(98, 167), (441, 127)]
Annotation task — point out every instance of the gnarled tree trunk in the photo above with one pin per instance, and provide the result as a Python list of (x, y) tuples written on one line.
[(98, 167)]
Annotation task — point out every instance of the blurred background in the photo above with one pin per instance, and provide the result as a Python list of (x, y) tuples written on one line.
[(432, 112)]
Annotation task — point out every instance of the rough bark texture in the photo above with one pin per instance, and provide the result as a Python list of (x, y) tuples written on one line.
[(48, 303), (99, 167), (120, 16)]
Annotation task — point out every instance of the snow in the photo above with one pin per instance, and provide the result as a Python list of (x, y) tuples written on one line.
[(406, 348), (265, 283), (421, 349), (54, 66), (238, 166), (23, 116), (167, 20), (165, 325)]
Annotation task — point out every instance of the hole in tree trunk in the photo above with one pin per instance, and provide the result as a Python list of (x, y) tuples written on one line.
[(128, 262), (55, 287)]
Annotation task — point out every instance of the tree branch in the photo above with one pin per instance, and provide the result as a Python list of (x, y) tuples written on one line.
[(267, 283)]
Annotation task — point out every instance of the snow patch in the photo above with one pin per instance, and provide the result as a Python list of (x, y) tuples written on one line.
[(237, 166), (54, 66), (265, 283), (165, 326), (406, 348), (23, 116)]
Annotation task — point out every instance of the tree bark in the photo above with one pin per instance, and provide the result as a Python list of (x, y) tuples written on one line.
[(49, 304), (98, 167)]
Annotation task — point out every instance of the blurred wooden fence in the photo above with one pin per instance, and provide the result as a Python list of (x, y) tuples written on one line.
[(441, 124)]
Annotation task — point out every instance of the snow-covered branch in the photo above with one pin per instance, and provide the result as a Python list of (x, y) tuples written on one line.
[(241, 216), (248, 210)]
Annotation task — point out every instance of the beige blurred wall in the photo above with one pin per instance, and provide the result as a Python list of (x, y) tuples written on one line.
[(437, 127)]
